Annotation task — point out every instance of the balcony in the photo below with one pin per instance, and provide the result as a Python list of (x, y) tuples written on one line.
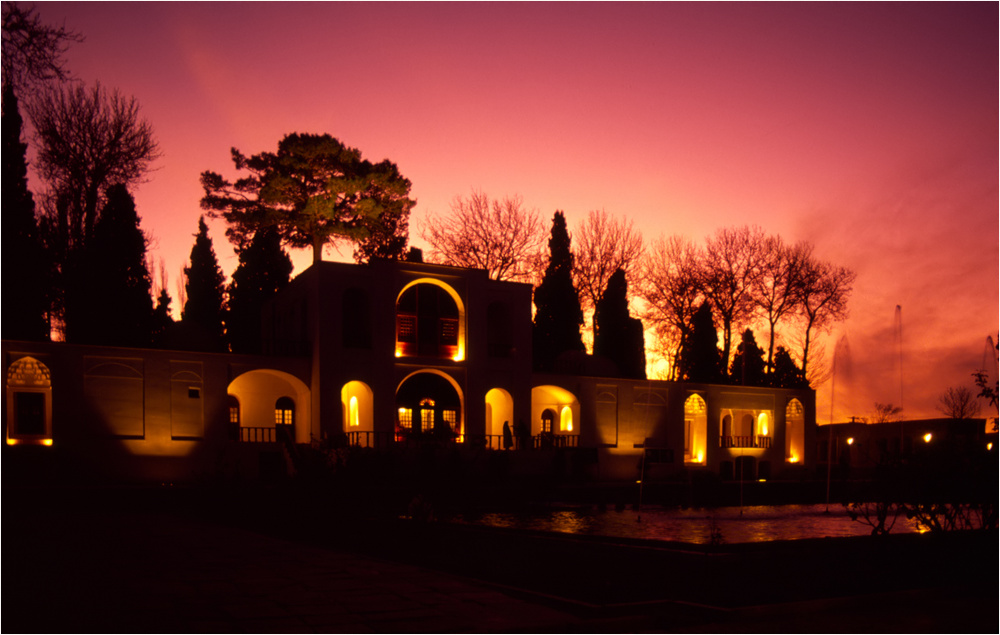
[(745, 441)]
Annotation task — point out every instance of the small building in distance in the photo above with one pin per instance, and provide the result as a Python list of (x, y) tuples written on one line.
[(388, 354)]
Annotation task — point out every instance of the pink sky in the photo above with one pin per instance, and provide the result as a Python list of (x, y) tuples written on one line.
[(868, 129)]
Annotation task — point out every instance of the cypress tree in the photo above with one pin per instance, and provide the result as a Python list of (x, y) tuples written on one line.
[(205, 289), (558, 315), (618, 336), (748, 367), (26, 279), (700, 359), (264, 269), (112, 303), (161, 319)]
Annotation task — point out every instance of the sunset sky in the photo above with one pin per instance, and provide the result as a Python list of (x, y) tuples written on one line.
[(868, 129)]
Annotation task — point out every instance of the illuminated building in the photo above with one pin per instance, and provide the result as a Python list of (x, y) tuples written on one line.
[(387, 354)]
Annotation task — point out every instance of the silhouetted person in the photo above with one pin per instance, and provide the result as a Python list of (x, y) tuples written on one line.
[(508, 438)]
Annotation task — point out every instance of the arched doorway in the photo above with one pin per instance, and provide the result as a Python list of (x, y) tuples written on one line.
[(429, 405)]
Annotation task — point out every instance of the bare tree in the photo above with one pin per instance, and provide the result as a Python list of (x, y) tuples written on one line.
[(823, 301), (498, 235), (88, 140), (958, 403), (732, 265), (670, 285), (604, 244), (32, 52), (777, 291), (885, 413)]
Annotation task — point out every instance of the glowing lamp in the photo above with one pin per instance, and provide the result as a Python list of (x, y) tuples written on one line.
[(701, 457), (850, 440), (11, 441), (927, 438), (793, 459), (989, 446), (47, 442)]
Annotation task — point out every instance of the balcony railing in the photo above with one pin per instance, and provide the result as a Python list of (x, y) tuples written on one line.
[(257, 435), (745, 441), (373, 439)]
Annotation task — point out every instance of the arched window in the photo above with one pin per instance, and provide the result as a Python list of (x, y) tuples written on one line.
[(284, 412), (548, 417), (429, 323), (233, 405), (29, 403)]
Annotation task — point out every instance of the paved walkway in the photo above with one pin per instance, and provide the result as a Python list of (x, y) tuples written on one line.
[(152, 573)]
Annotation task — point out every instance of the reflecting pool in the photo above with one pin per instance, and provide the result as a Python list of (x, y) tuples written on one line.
[(696, 526)]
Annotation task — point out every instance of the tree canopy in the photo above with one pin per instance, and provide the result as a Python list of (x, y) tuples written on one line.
[(498, 235), (108, 297), (26, 274), (32, 51), (205, 307), (617, 335), (604, 244), (558, 315), (313, 190), (263, 270)]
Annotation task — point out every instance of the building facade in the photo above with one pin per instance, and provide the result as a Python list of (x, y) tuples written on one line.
[(389, 353)]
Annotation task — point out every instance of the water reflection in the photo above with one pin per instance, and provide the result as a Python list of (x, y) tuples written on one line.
[(755, 524)]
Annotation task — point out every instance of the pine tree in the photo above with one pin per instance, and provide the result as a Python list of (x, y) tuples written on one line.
[(26, 278), (617, 335), (700, 359), (748, 367), (264, 270), (205, 288), (786, 373), (558, 315), (162, 320), (121, 308)]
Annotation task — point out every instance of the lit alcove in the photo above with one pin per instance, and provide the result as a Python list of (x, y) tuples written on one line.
[(795, 431), (695, 430), (29, 403), (499, 409), (554, 409), (356, 397)]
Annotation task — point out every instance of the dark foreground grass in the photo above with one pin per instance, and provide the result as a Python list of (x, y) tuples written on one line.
[(77, 558)]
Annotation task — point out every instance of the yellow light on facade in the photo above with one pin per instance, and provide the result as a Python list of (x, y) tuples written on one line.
[(701, 457), (47, 442), (11, 441), (566, 419), (850, 440), (793, 459), (989, 446), (927, 438), (353, 412)]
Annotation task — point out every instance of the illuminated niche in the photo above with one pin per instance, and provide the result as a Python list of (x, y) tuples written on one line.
[(795, 432), (695, 430), (356, 398), (29, 403)]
